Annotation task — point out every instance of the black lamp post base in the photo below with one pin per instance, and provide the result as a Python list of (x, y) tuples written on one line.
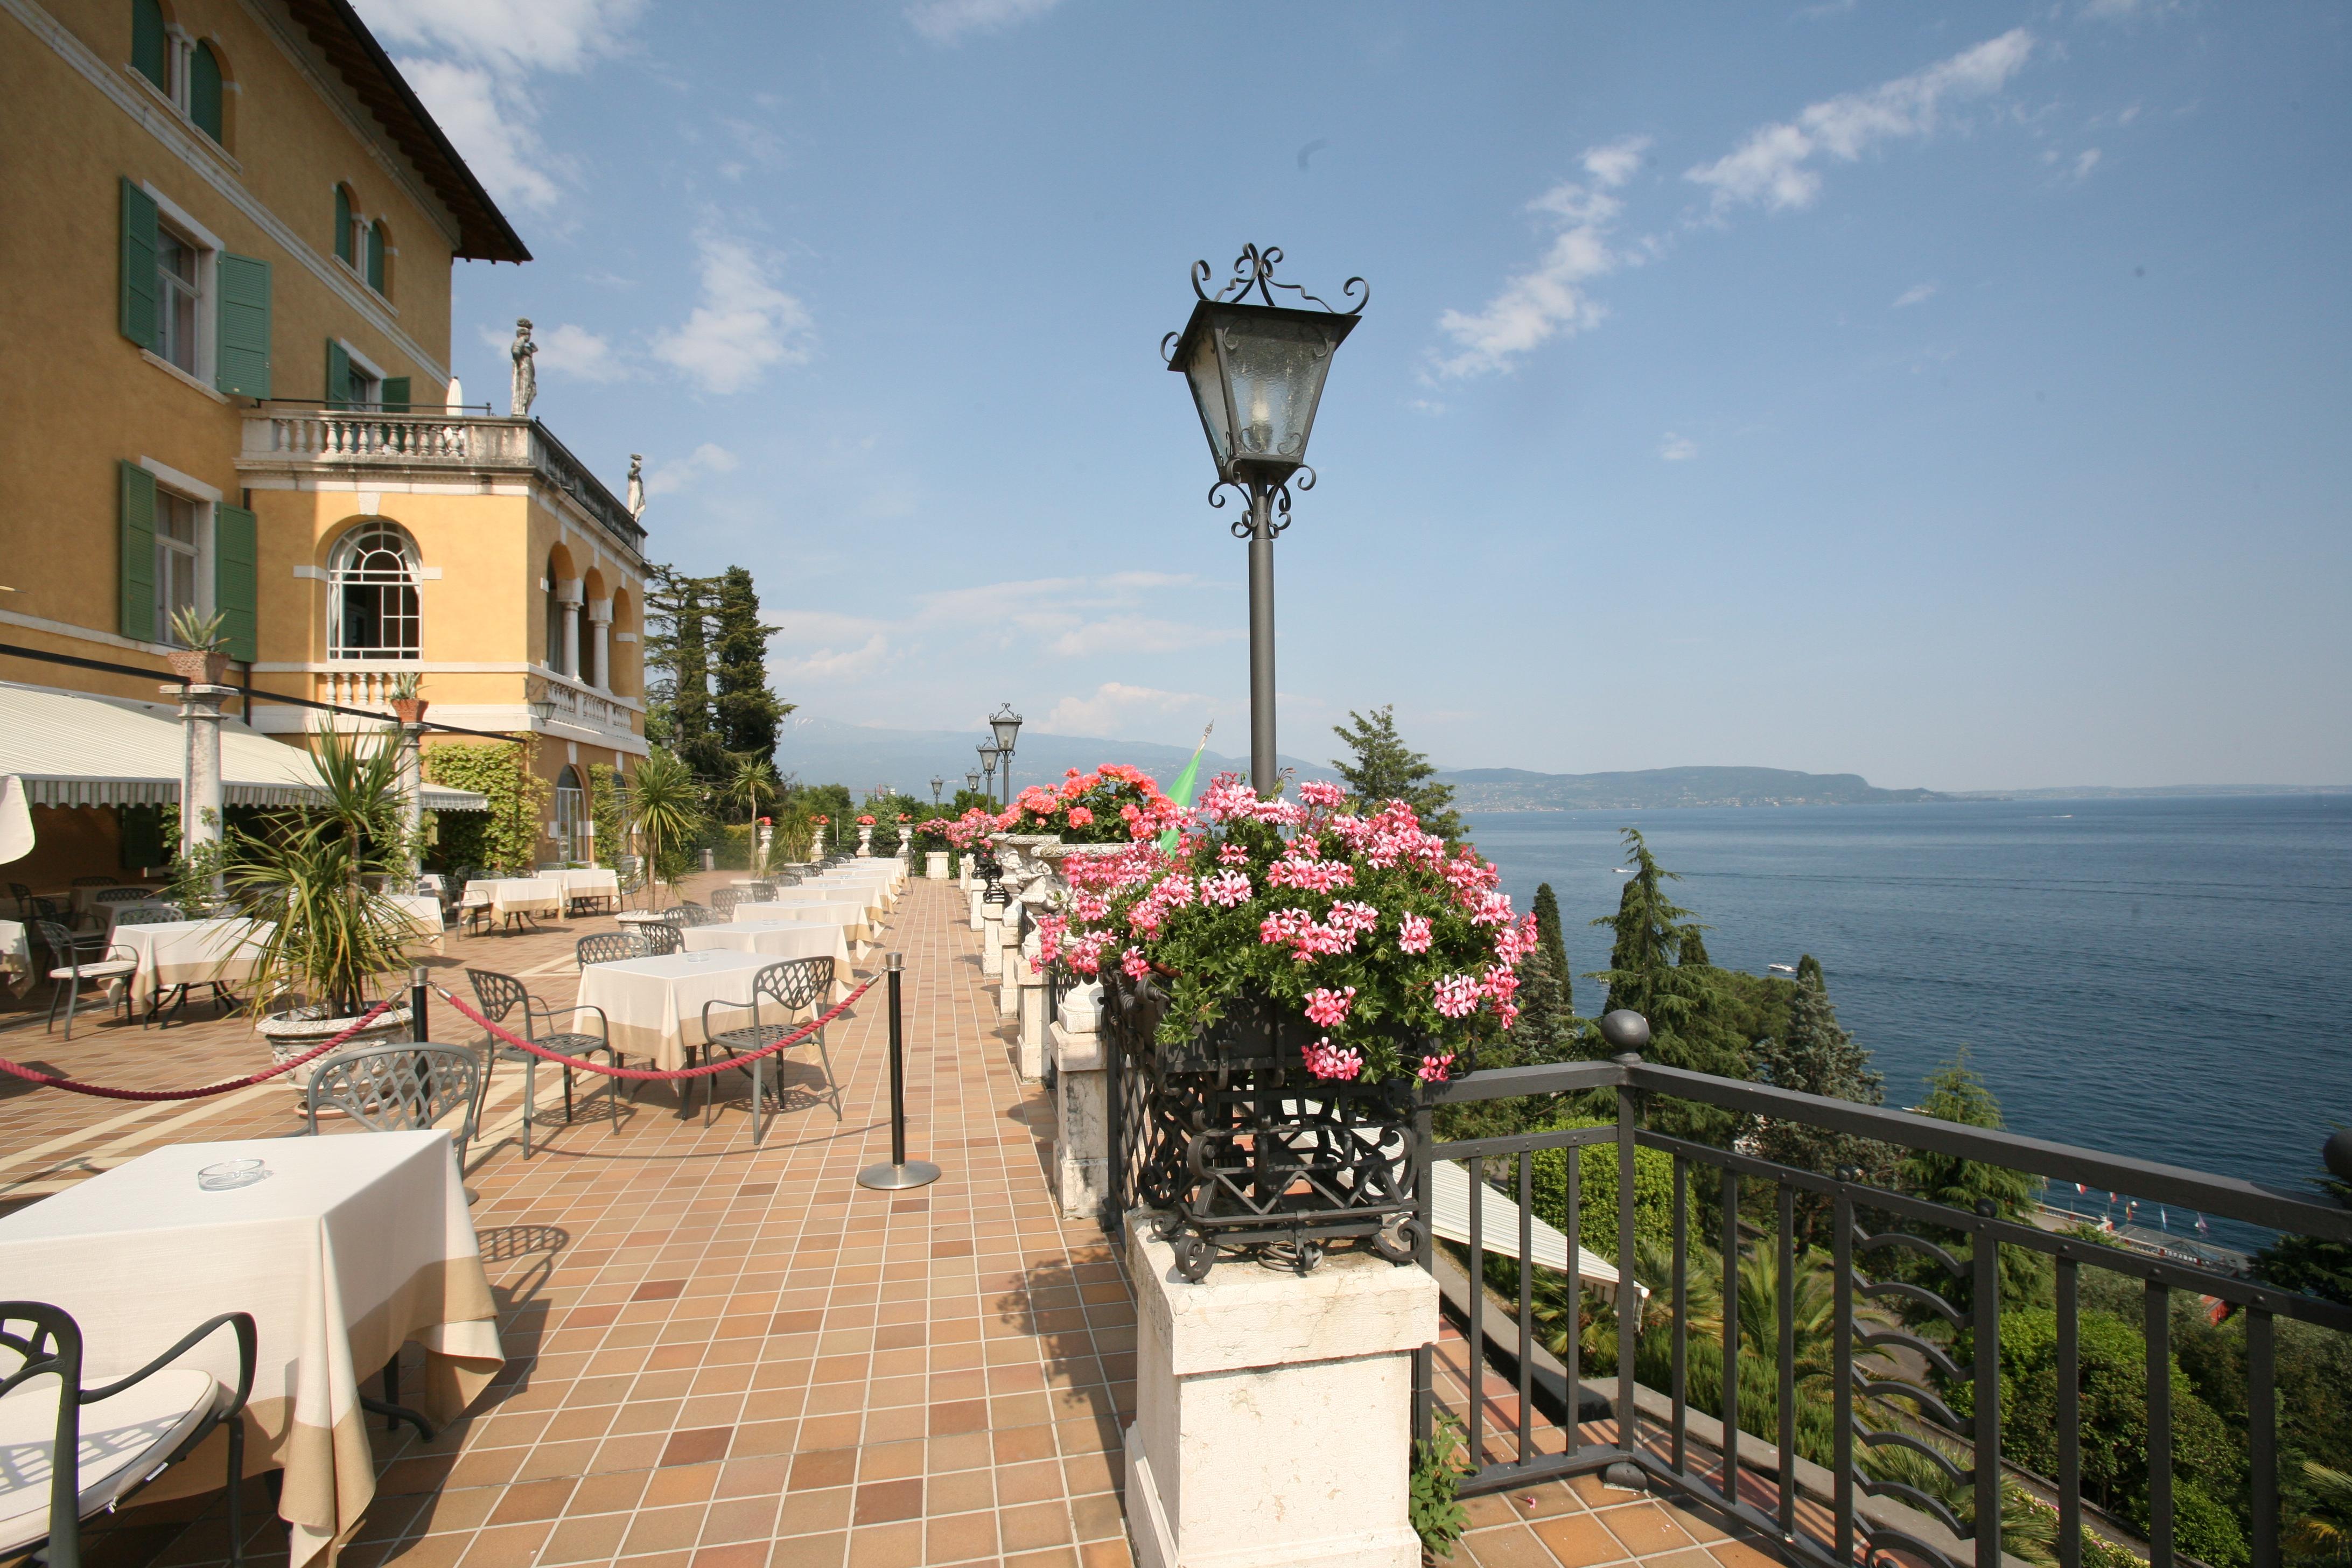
[(897, 1178)]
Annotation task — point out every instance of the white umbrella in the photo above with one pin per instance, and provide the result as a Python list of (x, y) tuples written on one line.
[(15, 821)]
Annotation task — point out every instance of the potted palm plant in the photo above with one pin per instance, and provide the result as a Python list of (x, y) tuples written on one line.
[(668, 805), (203, 659), (404, 701), (314, 879)]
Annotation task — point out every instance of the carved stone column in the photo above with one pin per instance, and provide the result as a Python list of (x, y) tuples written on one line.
[(199, 773), (1081, 1105), (567, 593), (600, 662)]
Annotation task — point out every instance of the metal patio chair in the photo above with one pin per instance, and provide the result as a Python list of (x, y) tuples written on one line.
[(723, 901), (75, 959), (607, 947), (793, 985), (121, 1435), (500, 995), (661, 939)]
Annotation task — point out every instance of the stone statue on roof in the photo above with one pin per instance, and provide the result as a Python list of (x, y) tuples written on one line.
[(637, 486), (525, 374)]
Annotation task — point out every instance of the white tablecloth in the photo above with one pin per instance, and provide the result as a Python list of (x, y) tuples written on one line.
[(779, 939), (852, 918), (870, 897), (504, 896), (653, 1006), (16, 955), (191, 952), (588, 882), (422, 909), (355, 1245), (113, 912)]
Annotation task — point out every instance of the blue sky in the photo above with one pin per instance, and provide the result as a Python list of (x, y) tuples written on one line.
[(1952, 394)]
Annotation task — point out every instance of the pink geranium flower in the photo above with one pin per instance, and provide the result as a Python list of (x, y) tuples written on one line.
[(1327, 1008), (1325, 1060), (1414, 936)]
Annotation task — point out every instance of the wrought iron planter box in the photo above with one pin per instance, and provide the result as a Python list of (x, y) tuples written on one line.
[(1235, 1144)]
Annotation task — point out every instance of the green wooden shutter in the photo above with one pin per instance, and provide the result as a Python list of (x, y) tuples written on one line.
[(244, 336), (394, 395), (339, 375), (376, 257), (236, 578), (137, 570), (140, 322), (343, 223), (147, 43), (204, 90)]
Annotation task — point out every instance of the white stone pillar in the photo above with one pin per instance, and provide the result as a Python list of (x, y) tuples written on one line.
[(1032, 1010), (992, 939), (412, 799), (977, 893), (568, 594), (1081, 1104), (935, 864), (200, 770), (600, 625), (1009, 967), (1272, 1413)]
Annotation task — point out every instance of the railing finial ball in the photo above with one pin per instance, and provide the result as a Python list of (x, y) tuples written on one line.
[(2336, 1153), (1625, 1029)]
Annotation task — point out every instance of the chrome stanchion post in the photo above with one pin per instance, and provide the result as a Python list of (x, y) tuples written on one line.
[(899, 1172), (418, 989)]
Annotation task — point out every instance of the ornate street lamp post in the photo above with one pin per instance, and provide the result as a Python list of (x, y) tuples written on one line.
[(1006, 724), (938, 783), (988, 766), (971, 781), (1256, 375)]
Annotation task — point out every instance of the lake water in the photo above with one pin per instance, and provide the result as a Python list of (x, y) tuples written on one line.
[(2169, 979)]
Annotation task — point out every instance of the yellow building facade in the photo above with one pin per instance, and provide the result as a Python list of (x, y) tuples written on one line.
[(229, 245)]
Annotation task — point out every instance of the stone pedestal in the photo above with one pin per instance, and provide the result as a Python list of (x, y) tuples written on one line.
[(975, 892), (1081, 1109), (935, 864), (865, 841), (991, 940), (1008, 966), (1274, 1414), (1033, 1011)]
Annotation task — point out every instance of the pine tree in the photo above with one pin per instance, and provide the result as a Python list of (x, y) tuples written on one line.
[(747, 710), (1813, 1055), (1957, 1094), (1691, 948), (1386, 769), (1555, 943), (697, 743), (1684, 1003)]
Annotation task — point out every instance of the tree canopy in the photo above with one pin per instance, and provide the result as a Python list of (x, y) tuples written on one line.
[(1384, 768)]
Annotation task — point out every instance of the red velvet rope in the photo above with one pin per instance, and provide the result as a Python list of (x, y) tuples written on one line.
[(103, 1092), (643, 1074)]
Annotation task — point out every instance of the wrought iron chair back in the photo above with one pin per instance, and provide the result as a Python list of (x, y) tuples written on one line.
[(724, 900), (123, 895), (499, 995), (661, 939), (400, 1088), (758, 893), (155, 916), (608, 947), (690, 914), (796, 983)]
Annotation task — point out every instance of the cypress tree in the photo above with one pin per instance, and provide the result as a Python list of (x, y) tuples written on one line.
[(1684, 1003), (1813, 1055), (1554, 942), (1386, 769), (691, 708), (1691, 948), (747, 710)]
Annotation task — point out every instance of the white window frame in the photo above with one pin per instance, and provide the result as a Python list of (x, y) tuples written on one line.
[(415, 557), (207, 500), (208, 247), (362, 365)]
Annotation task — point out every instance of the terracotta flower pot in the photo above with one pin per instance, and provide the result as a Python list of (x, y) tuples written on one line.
[(411, 709), (197, 666)]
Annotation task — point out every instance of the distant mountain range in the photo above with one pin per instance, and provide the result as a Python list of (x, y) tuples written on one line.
[(1652, 789)]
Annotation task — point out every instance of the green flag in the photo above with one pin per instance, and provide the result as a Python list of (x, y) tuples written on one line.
[(1186, 782)]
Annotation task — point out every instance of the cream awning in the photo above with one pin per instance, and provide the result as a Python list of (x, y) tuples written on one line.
[(71, 749), (1498, 1217)]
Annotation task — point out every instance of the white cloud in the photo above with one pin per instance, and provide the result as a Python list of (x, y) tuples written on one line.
[(946, 21), (1138, 633), (576, 351), (1775, 166), (667, 478), (1677, 449), (1550, 300), (2085, 162), (1917, 294), (472, 62), (1116, 706), (494, 126), (834, 663), (743, 326)]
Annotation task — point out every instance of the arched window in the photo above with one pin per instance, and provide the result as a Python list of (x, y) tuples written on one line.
[(205, 91), (372, 608), (575, 826), (150, 45), (344, 209)]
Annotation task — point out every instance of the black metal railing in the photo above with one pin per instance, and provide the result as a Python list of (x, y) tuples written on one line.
[(1917, 1284)]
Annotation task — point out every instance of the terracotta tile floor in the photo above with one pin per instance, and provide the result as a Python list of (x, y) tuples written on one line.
[(717, 1355)]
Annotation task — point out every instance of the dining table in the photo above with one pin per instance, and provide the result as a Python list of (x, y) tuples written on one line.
[(653, 1006), (871, 896), (774, 939), (511, 897), (16, 957), (855, 922), (172, 955), (581, 884), (343, 1248)]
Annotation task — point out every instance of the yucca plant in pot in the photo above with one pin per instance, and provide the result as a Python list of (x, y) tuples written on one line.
[(314, 877), (405, 702), (203, 659)]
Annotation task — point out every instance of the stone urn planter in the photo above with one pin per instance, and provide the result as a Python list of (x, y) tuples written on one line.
[(300, 1030), (864, 840), (198, 667), (1235, 1144), (935, 864)]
